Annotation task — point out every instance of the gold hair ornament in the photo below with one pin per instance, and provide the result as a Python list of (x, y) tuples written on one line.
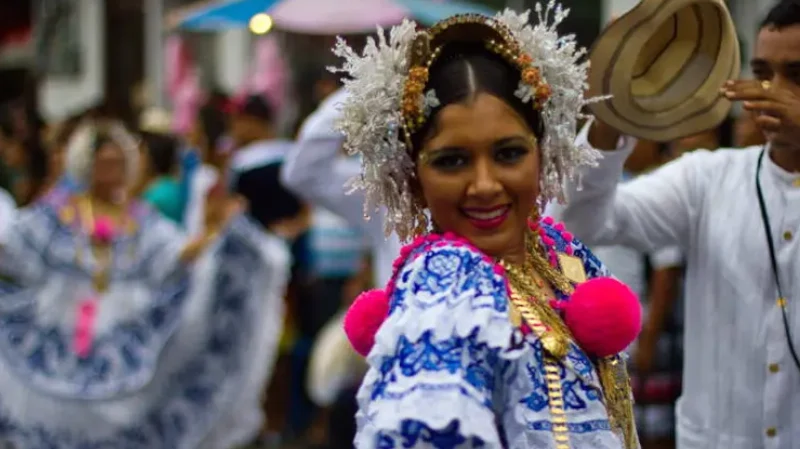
[(416, 105)]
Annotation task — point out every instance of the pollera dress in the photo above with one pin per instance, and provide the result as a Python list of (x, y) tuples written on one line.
[(173, 345), (449, 370)]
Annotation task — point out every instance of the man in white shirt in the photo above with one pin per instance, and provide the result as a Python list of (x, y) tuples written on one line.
[(317, 171), (741, 385)]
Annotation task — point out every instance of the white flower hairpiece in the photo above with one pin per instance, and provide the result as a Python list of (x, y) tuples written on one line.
[(377, 81), (82, 143)]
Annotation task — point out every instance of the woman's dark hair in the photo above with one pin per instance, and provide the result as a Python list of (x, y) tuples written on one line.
[(162, 150), (465, 70)]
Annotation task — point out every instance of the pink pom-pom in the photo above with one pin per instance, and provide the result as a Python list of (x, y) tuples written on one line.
[(548, 221), (604, 316), (364, 318), (103, 230), (559, 227)]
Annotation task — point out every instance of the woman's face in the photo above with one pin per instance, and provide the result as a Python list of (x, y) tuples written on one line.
[(479, 174), (109, 171)]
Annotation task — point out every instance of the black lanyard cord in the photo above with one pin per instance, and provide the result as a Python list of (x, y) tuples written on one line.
[(773, 259)]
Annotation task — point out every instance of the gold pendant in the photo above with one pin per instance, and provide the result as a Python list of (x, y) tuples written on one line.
[(572, 268)]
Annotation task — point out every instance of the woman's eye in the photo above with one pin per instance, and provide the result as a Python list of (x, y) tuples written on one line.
[(510, 155), (449, 161)]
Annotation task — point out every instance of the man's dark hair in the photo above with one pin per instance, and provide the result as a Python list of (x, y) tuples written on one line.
[(255, 106), (784, 14)]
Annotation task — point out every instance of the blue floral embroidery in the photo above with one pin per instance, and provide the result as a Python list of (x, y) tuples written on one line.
[(436, 281), (192, 402), (579, 427), (413, 433), (444, 278), (536, 400), (121, 360)]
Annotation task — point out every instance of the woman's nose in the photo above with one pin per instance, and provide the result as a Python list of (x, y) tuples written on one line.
[(485, 183)]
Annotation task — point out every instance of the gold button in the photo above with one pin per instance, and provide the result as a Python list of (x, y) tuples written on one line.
[(774, 368), (787, 236), (796, 182), (771, 432)]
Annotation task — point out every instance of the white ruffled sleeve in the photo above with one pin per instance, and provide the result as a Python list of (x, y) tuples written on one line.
[(438, 356)]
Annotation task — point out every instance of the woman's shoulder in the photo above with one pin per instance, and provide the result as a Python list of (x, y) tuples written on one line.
[(440, 273), (445, 261), (446, 290), (562, 246)]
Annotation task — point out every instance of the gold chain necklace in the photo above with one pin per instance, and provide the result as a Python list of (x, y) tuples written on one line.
[(103, 255), (529, 299)]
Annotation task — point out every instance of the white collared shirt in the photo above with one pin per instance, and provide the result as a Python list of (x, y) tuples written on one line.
[(259, 153), (741, 389)]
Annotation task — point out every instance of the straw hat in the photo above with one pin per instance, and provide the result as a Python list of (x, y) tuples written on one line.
[(664, 63), (333, 364)]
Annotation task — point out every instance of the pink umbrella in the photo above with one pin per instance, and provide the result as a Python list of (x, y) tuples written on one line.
[(322, 17), (356, 16)]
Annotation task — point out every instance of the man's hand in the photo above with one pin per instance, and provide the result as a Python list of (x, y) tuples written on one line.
[(776, 110)]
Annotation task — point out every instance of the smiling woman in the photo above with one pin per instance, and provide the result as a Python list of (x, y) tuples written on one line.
[(498, 329), (478, 164)]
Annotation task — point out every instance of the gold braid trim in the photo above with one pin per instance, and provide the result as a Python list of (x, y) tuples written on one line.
[(555, 399), (618, 398)]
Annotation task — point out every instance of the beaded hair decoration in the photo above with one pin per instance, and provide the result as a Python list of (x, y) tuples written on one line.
[(387, 101), (82, 145)]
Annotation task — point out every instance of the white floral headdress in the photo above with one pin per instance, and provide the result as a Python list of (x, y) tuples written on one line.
[(82, 145), (387, 101)]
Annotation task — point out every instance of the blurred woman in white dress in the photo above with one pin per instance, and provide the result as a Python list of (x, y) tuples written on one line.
[(106, 337)]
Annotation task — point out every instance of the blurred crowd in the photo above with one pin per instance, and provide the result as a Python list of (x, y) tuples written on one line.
[(235, 141)]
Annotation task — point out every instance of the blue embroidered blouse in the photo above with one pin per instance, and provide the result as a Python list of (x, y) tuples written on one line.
[(444, 373)]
